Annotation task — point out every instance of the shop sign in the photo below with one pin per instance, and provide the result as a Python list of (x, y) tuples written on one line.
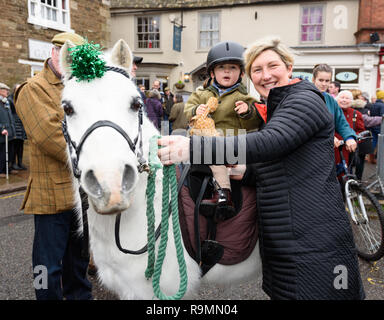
[(39, 50), (346, 76)]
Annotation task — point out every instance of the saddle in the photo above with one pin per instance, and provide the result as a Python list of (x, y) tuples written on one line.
[(208, 241)]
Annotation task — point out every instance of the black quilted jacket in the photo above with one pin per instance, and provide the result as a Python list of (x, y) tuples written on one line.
[(305, 235)]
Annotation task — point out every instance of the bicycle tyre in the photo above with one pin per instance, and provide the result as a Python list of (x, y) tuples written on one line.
[(368, 235)]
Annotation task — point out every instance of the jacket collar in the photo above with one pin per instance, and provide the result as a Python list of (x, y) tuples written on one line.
[(242, 89), (51, 75), (276, 95)]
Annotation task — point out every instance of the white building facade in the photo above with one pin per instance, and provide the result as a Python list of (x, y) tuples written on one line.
[(320, 32)]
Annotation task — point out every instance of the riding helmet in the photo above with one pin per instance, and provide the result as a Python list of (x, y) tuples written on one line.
[(225, 51)]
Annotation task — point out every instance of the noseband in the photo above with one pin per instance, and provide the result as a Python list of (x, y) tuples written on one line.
[(137, 150)]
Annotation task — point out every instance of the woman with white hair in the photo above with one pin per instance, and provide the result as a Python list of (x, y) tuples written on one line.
[(306, 241), (353, 117)]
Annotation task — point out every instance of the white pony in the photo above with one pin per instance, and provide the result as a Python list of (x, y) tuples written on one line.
[(109, 175)]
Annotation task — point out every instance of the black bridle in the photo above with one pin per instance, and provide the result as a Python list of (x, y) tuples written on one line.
[(136, 146), (137, 150)]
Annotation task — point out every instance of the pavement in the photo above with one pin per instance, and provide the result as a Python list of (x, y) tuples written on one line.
[(17, 179)]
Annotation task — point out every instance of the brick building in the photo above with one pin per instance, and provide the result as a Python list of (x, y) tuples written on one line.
[(27, 26), (371, 30)]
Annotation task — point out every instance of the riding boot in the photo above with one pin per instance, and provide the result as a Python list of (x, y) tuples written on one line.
[(225, 209)]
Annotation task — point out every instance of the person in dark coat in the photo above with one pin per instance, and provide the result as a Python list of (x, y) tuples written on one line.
[(306, 241), (377, 110), (154, 108), (7, 128), (21, 136)]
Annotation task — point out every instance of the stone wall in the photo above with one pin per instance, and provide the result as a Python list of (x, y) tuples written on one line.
[(89, 18)]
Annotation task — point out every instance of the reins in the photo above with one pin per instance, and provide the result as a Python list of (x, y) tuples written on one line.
[(169, 186)]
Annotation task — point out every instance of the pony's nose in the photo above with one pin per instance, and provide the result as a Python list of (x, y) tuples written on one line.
[(92, 184), (129, 176)]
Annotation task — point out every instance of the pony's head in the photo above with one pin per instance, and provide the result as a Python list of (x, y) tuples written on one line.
[(102, 120)]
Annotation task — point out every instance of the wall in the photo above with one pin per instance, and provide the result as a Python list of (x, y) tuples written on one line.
[(90, 18)]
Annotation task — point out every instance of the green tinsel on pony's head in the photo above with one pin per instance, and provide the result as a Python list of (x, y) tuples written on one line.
[(86, 63)]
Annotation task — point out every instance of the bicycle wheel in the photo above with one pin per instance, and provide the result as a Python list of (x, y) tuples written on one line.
[(368, 232)]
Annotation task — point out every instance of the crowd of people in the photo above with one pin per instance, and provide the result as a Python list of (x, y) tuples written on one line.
[(12, 129), (291, 135)]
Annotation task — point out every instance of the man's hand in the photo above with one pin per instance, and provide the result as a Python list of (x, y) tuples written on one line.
[(4, 132)]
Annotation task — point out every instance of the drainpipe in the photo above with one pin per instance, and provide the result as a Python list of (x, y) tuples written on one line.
[(380, 67)]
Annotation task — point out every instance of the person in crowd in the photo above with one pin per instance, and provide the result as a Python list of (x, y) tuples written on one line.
[(305, 235), (154, 108), (376, 110), (334, 88), (7, 131), (236, 109), (135, 65), (321, 77), (20, 136), (50, 192), (356, 122), (167, 105), (177, 116)]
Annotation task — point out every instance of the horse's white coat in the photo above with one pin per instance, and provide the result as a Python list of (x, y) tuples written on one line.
[(106, 153)]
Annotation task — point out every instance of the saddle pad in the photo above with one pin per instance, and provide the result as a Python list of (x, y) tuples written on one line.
[(237, 235)]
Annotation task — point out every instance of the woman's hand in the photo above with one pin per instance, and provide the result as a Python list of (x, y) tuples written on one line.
[(336, 142), (175, 149), (4, 132), (351, 145)]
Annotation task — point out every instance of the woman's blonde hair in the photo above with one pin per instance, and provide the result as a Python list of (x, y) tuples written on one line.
[(268, 43)]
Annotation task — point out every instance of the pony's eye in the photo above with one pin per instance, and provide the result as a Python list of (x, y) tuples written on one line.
[(68, 109), (137, 103)]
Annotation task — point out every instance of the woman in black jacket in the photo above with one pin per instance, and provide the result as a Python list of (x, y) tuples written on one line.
[(306, 241)]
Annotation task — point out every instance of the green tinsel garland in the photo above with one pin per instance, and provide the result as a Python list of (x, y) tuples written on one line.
[(86, 63)]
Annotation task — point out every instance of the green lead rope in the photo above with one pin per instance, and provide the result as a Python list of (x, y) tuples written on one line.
[(169, 185)]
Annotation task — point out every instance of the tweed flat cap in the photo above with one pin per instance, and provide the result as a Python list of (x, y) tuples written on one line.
[(60, 38), (4, 86)]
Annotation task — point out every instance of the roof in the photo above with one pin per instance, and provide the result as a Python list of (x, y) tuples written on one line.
[(173, 4)]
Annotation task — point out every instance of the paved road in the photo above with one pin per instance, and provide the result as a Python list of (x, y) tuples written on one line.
[(16, 234)]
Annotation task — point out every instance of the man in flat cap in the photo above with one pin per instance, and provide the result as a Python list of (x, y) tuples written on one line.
[(50, 196)]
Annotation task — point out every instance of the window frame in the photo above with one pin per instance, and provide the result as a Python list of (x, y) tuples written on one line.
[(137, 47), (200, 31), (38, 20), (323, 24)]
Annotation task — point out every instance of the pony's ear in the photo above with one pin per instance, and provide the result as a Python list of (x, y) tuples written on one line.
[(66, 58), (121, 55)]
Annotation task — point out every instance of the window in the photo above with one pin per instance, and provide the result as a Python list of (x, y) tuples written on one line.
[(312, 23), (209, 30), (148, 32), (52, 14)]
